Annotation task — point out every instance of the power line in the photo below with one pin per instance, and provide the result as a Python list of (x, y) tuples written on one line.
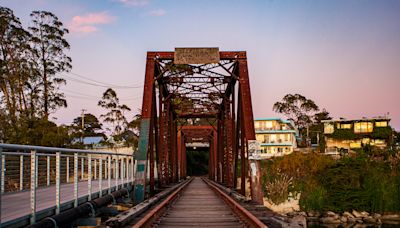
[(100, 84), (109, 84)]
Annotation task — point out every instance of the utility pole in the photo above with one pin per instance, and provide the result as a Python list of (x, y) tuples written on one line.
[(83, 123)]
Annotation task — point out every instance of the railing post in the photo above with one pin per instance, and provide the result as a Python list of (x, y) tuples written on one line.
[(89, 156), (1, 178), (127, 169), (109, 174), (67, 169), (116, 172), (76, 179), (82, 168), (3, 171), (58, 182), (37, 171), (33, 186), (21, 172), (122, 172), (133, 170), (48, 170), (95, 168), (100, 176)]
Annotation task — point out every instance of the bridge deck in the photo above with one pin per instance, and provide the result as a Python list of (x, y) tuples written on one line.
[(199, 206), (16, 205)]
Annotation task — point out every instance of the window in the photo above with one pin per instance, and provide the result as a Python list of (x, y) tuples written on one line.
[(363, 127), (381, 124), (260, 138), (328, 128), (355, 144), (344, 126)]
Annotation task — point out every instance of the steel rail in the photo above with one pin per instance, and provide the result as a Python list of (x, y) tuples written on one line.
[(157, 211), (244, 214)]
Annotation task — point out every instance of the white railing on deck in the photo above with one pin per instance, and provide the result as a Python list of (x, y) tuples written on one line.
[(55, 168)]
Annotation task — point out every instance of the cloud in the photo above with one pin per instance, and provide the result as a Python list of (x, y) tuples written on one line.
[(157, 13), (88, 23), (133, 2)]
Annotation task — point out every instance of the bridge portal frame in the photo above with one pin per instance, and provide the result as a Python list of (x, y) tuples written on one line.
[(160, 140)]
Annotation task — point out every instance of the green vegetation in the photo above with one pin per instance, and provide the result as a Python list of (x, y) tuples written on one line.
[(367, 181)]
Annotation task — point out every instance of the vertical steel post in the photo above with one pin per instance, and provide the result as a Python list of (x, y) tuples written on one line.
[(21, 172), (33, 186), (48, 170), (116, 172), (67, 170), (100, 176), (123, 171), (127, 169), (58, 182), (76, 164), (3, 171), (89, 157), (82, 168), (1, 178), (109, 174), (95, 168)]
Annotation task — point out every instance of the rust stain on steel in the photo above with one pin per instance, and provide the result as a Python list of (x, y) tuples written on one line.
[(196, 55)]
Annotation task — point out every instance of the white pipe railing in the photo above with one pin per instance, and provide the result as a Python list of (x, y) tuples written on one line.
[(53, 166)]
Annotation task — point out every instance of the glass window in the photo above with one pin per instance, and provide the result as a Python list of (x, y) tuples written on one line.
[(345, 126), (381, 124), (328, 128), (355, 144), (363, 127), (257, 125)]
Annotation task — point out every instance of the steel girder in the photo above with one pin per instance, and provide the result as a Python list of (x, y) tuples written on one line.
[(186, 102)]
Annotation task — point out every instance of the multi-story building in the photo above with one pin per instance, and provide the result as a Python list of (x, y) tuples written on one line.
[(277, 137), (346, 134)]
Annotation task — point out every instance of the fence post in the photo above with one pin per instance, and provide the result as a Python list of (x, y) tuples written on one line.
[(100, 176), (48, 170), (58, 180), (95, 168), (122, 172), (33, 186), (3, 171), (82, 168), (116, 172), (76, 179), (89, 156), (67, 169), (21, 172), (1, 178), (109, 174)]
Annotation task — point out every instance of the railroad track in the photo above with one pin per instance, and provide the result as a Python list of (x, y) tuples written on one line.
[(197, 203)]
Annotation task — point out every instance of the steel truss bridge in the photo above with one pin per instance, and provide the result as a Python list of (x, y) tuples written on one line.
[(192, 95)]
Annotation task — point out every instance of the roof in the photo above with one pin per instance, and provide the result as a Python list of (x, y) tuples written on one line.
[(273, 118), (356, 120), (89, 140)]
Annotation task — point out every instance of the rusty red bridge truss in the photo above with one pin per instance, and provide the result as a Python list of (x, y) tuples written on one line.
[(204, 96)]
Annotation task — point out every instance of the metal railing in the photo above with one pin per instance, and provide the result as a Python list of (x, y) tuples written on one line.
[(31, 168)]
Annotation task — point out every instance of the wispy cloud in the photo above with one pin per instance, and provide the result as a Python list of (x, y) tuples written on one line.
[(133, 3), (157, 13), (88, 23)]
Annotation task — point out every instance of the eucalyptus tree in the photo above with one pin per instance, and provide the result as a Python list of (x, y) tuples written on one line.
[(14, 64), (116, 112), (49, 47)]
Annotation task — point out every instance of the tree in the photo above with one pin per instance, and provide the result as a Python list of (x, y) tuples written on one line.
[(49, 46), (91, 127), (297, 108), (116, 112), (14, 64), (303, 112)]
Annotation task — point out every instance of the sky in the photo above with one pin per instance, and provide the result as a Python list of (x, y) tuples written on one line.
[(343, 54)]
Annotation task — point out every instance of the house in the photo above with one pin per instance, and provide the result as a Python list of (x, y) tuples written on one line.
[(277, 137), (346, 134)]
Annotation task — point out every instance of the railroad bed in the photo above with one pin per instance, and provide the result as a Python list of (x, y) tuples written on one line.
[(199, 206)]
